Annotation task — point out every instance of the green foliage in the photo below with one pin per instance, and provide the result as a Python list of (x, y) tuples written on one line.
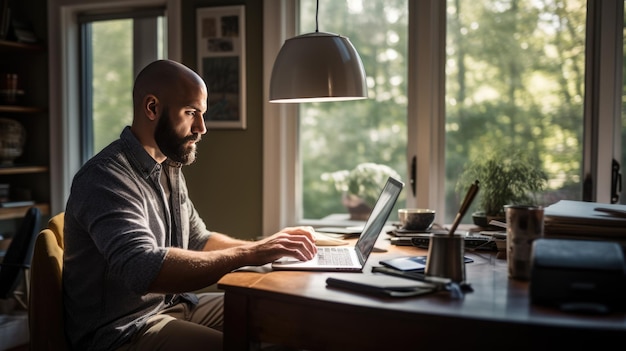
[(364, 181), (112, 79), (344, 134), (514, 79), (506, 178)]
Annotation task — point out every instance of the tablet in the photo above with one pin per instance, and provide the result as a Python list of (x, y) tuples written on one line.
[(410, 263)]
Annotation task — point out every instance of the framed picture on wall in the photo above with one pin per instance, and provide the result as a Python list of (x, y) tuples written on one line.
[(221, 55)]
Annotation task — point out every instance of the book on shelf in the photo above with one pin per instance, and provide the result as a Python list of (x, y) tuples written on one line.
[(5, 18), (10, 204), (22, 31), (585, 220)]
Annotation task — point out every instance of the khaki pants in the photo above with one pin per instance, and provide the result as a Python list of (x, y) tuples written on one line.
[(183, 327)]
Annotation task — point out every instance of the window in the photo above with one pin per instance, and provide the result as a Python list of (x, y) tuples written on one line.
[(339, 136), (515, 80), (67, 75), (506, 73), (136, 38)]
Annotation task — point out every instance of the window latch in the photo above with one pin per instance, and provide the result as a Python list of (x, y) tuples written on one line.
[(616, 182), (413, 174)]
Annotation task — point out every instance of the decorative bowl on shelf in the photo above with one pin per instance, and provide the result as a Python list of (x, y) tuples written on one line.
[(12, 138)]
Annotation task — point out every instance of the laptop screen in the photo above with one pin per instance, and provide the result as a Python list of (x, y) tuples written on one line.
[(378, 217)]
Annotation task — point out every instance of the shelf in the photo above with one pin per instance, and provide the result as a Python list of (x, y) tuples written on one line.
[(29, 177), (22, 169), (19, 212), (20, 109), (14, 46)]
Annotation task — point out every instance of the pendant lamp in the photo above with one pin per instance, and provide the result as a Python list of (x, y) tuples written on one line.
[(317, 67)]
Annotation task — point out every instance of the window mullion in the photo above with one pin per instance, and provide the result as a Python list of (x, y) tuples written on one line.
[(86, 92), (426, 112), (279, 126), (602, 138), (145, 42)]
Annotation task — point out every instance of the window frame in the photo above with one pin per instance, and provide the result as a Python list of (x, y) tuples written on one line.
[(426, 110), (65, 80), (603, 97), (145, 50)]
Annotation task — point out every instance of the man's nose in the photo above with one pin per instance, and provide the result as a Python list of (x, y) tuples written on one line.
[(199, 126)]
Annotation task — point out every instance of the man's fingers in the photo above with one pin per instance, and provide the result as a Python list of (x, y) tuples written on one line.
[(300, 244)]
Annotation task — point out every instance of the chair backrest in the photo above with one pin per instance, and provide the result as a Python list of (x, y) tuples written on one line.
[(55, 224), (45, 311), (19, 253)]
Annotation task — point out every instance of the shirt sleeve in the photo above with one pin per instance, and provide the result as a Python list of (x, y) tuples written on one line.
[(117, 210), (198, 233)]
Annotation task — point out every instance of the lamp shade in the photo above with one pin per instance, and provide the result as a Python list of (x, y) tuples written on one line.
[(317, 67)]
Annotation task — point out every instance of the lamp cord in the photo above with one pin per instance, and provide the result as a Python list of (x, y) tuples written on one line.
[(317, 8)]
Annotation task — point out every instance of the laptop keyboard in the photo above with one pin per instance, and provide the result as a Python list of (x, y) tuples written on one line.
[(335, 256)]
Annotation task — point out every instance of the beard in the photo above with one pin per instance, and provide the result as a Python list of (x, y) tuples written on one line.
[(174, 147)]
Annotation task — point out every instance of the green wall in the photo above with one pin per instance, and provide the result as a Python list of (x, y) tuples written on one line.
[(225, 183)]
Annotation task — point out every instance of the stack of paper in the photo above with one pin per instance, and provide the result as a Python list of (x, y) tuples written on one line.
[(586, 220)]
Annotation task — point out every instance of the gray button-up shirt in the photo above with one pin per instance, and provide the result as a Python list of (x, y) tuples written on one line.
[(118, 228)]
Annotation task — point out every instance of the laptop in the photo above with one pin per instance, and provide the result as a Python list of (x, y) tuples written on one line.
[(353, 258)]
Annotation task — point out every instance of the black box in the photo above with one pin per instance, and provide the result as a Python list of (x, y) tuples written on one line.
[(578, 275)]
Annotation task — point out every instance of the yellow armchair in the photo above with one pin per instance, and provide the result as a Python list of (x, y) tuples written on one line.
[(45, 312)]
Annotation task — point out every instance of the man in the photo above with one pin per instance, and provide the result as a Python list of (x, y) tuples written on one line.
[(135, 244)]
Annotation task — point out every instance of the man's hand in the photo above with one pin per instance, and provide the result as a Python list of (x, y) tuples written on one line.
[(296, 242), (186, 270)]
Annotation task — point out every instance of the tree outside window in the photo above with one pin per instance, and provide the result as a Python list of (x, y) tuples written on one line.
[(514, 78)]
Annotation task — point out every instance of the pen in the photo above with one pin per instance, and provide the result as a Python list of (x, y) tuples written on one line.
[(469, 197), (438, 281)]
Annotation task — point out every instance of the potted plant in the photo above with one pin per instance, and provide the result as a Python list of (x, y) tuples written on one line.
[(506, 177), (360, 186)]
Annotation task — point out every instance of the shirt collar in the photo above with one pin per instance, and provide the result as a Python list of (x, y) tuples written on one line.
[(143, 160), (138, 155)]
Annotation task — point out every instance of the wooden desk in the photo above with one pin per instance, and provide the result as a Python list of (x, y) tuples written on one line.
[(296, 309)]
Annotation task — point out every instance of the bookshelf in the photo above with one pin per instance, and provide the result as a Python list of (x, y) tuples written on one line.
[(29, 176)]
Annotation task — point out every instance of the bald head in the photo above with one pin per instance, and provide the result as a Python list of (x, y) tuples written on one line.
[(169, 101), (164, 78)]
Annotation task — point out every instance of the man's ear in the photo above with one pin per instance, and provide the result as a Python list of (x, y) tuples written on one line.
[(150, 106)]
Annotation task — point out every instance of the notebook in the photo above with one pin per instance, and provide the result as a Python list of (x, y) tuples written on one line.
[(358, 254), (380, 284)]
